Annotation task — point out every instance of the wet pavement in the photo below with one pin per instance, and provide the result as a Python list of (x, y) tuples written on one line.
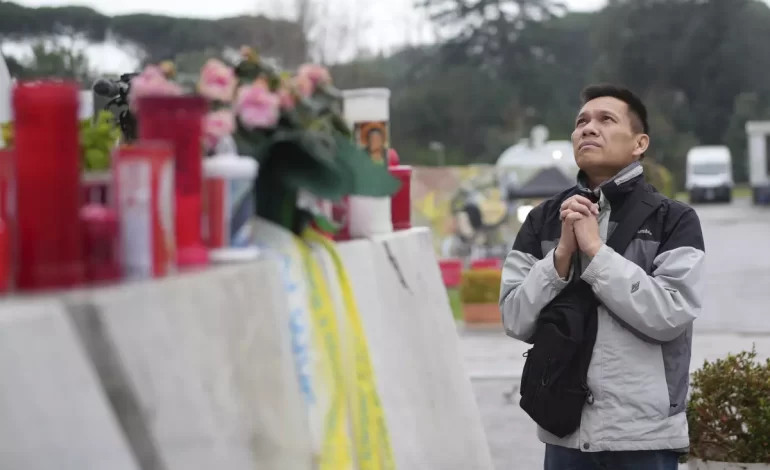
[(736, 315)]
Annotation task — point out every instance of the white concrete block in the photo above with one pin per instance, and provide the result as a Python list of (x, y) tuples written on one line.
[(430, 408), (53, 413), (208, 357)]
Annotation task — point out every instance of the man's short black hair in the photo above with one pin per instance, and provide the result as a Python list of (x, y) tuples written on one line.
[(636, 109)]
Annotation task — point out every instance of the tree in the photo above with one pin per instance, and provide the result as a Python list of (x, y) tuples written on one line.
[(158, 37), (332, 33), (53, 59)]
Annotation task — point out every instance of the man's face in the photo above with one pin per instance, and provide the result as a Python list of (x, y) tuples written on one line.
[(604, 140)]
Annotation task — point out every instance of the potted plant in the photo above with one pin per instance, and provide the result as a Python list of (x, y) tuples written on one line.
[(290, 123), (480, 292), (729, 414)]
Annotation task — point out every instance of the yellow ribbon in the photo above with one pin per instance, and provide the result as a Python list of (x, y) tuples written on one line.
[(335, 449), (372, 442)]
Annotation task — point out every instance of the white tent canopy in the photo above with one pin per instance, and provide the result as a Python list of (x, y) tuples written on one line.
[(551, 153)]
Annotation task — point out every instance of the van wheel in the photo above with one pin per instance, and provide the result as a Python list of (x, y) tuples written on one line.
[(693, 198)]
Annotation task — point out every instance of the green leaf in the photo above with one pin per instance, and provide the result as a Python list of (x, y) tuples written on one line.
[(325, 224), (299, 161), (369, 178)]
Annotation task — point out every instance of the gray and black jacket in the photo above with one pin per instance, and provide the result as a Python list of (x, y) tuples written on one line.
[(649, 297)]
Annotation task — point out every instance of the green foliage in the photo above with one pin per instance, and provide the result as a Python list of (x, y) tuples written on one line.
[(729, 410), (97, 139), (480, 286), (6, 132), (659, 176)]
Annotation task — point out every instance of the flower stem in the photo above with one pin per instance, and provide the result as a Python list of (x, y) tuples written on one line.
[(276, 202)]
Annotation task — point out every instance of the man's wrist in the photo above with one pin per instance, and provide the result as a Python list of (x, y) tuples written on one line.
[(560, 253), (593, 249), (562, 262)]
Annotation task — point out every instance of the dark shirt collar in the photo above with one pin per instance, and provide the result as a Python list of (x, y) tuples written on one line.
[(614, 189)]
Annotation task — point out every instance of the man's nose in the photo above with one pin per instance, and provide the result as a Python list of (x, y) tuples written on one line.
[(589, 128)]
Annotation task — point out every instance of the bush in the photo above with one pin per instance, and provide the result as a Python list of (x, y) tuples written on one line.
[(659, 176), (480, 286), (729, 410)]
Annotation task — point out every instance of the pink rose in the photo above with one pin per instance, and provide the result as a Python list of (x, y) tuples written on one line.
[(317, 74), (151, 82), (216, 125), (303, 85), (217, 82), (286, 99), (153, 71), (257, 107)]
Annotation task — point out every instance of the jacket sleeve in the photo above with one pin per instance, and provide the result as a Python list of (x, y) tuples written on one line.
[(529, 282), (657, 307)]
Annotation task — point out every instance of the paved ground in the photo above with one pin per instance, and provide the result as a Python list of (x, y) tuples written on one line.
[(735, 316)]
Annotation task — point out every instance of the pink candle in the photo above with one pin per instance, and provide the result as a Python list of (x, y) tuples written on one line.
[(401, 202), (100, 243), (48, 189), (179, 121)]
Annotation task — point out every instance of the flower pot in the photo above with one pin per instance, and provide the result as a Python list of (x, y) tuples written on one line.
[(486, 313), (697, 464)]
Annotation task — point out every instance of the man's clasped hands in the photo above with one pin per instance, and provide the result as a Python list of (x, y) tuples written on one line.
[(579, 227)]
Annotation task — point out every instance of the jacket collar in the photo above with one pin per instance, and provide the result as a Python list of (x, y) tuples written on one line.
[(614, 189)]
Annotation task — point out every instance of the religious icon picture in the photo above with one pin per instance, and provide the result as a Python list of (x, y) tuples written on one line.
[(373, 137)]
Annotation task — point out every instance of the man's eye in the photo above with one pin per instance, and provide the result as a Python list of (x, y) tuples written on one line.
[(607, 118)]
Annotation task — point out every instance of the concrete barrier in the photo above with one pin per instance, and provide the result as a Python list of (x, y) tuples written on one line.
[(206, 358), (196, 372), (429, 404), (55, 414)]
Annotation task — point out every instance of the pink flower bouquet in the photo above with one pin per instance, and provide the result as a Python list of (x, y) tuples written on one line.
[(290, 123)]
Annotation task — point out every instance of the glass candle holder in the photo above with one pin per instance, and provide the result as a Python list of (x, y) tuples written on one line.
[(100, 243), (401, 202), (179, 121), (48, 188)]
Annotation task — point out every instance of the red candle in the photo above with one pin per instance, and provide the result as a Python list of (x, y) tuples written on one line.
[(451, 271), (401, 202), (340, 216), (487, 263), (48, 189), (179, 121), (100, 243), (6, 224)]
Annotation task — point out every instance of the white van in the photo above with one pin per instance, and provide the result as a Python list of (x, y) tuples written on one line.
[(709, 174)]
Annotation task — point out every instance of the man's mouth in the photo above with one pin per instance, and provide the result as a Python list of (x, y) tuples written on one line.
[(588, 145)]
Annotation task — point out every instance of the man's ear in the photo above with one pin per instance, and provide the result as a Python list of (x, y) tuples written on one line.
[(642, 144)]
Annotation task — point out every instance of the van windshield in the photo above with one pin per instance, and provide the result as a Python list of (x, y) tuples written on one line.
[(709, 169)]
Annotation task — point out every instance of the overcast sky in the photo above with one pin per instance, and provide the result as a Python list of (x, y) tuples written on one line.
[(397, 21)]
